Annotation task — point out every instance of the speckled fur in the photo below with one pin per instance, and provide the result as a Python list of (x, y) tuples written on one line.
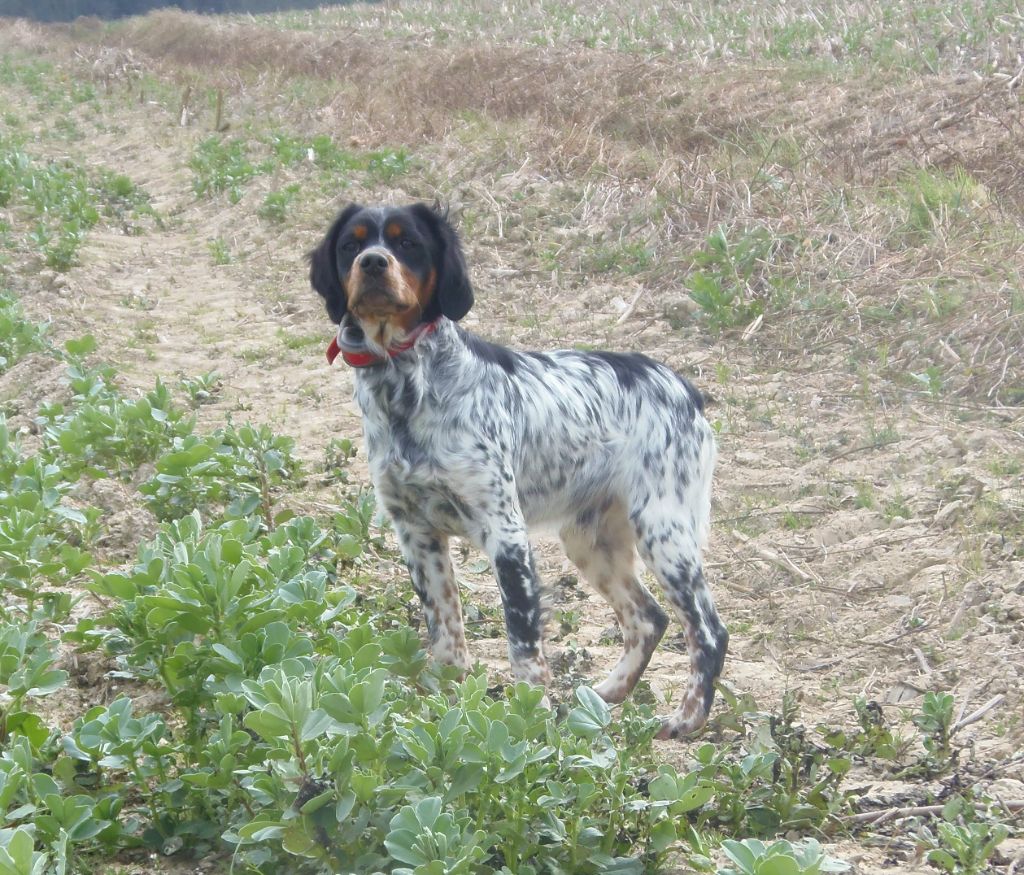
[(611, 450)]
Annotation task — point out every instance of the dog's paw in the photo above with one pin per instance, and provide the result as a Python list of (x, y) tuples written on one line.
[(681, 725)]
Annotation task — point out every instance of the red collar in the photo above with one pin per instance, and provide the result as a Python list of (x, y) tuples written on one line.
[(363, 358)]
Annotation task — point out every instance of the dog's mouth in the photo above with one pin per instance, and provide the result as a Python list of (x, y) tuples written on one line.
[(378, 302), (376, 310)]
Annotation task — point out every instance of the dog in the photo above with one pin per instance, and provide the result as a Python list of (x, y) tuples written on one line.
[(471, 439)]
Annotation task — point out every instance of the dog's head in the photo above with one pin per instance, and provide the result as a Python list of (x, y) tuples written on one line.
[(391, 268)]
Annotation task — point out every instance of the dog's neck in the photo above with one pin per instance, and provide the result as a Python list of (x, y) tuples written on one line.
[(357, 351), (393, 388)]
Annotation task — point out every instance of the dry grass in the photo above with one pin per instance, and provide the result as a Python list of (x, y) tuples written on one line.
[(939, 37), (651, 149)]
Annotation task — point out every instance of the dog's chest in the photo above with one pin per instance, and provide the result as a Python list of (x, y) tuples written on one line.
[(419, 492), (409, 460)]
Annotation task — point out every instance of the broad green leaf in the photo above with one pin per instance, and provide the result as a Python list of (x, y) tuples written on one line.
[(779, 865), (663, 835), (80, 346), (592, 717), (297, 841), (317, 802), (48, 682), (270, 723), (262, 830), (316, 724), (467, 777), (743, 856)]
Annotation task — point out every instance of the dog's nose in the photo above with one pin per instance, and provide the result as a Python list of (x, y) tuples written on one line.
[(373, 263)]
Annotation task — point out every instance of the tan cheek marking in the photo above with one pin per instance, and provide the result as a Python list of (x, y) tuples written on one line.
[(425, 290), (406, 290), (351, 282)]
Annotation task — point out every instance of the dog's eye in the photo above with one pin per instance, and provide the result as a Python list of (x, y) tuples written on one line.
[(350, 246), (407, 243)]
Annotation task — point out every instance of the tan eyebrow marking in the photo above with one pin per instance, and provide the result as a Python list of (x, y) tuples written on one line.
[(394, 230), (359, 232)]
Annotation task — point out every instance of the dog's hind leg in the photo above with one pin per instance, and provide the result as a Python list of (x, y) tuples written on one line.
[(671, 519), (601, 546), (667, 543)]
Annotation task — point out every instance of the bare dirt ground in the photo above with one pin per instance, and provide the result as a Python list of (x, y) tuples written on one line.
[(869, 535)]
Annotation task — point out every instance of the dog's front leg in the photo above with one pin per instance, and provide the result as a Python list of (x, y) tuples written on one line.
[(520, 588), (426, 553)]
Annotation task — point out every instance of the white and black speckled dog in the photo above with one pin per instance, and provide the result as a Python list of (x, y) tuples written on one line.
[(471, 439)]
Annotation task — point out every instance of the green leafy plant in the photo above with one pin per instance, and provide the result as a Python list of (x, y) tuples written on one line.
[(931, 379), (219, 250), (276, 203), (39, 534), (201, 389), (874, 739), (778, 779), (734, 283), (58, 202), (221, 166), (17, 854), (27, 658), (386, 164), (428, 841), (104, 432), (753, 857), (935, 720), (18, 336), (963, 848), (338, 454), (240, 469)]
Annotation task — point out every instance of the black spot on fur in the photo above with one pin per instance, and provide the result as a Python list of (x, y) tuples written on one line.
[(513, 567), (630, 368), (710, 657), (542, 358), (696, 396), (586, 518), (490, 352), (656, 617)]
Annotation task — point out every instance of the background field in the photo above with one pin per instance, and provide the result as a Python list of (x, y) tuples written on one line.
[(812, 210)]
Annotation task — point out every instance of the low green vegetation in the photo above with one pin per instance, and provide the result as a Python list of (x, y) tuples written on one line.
[(226, 165), (753, 857), (301, 724), (935, 201), (276, 204), (55, 203), (220, 252), (961, 847), (221, 166), (734, 282), (18, 336)]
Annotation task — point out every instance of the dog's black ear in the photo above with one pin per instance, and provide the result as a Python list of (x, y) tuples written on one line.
[(323, 267), (454, 293)]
